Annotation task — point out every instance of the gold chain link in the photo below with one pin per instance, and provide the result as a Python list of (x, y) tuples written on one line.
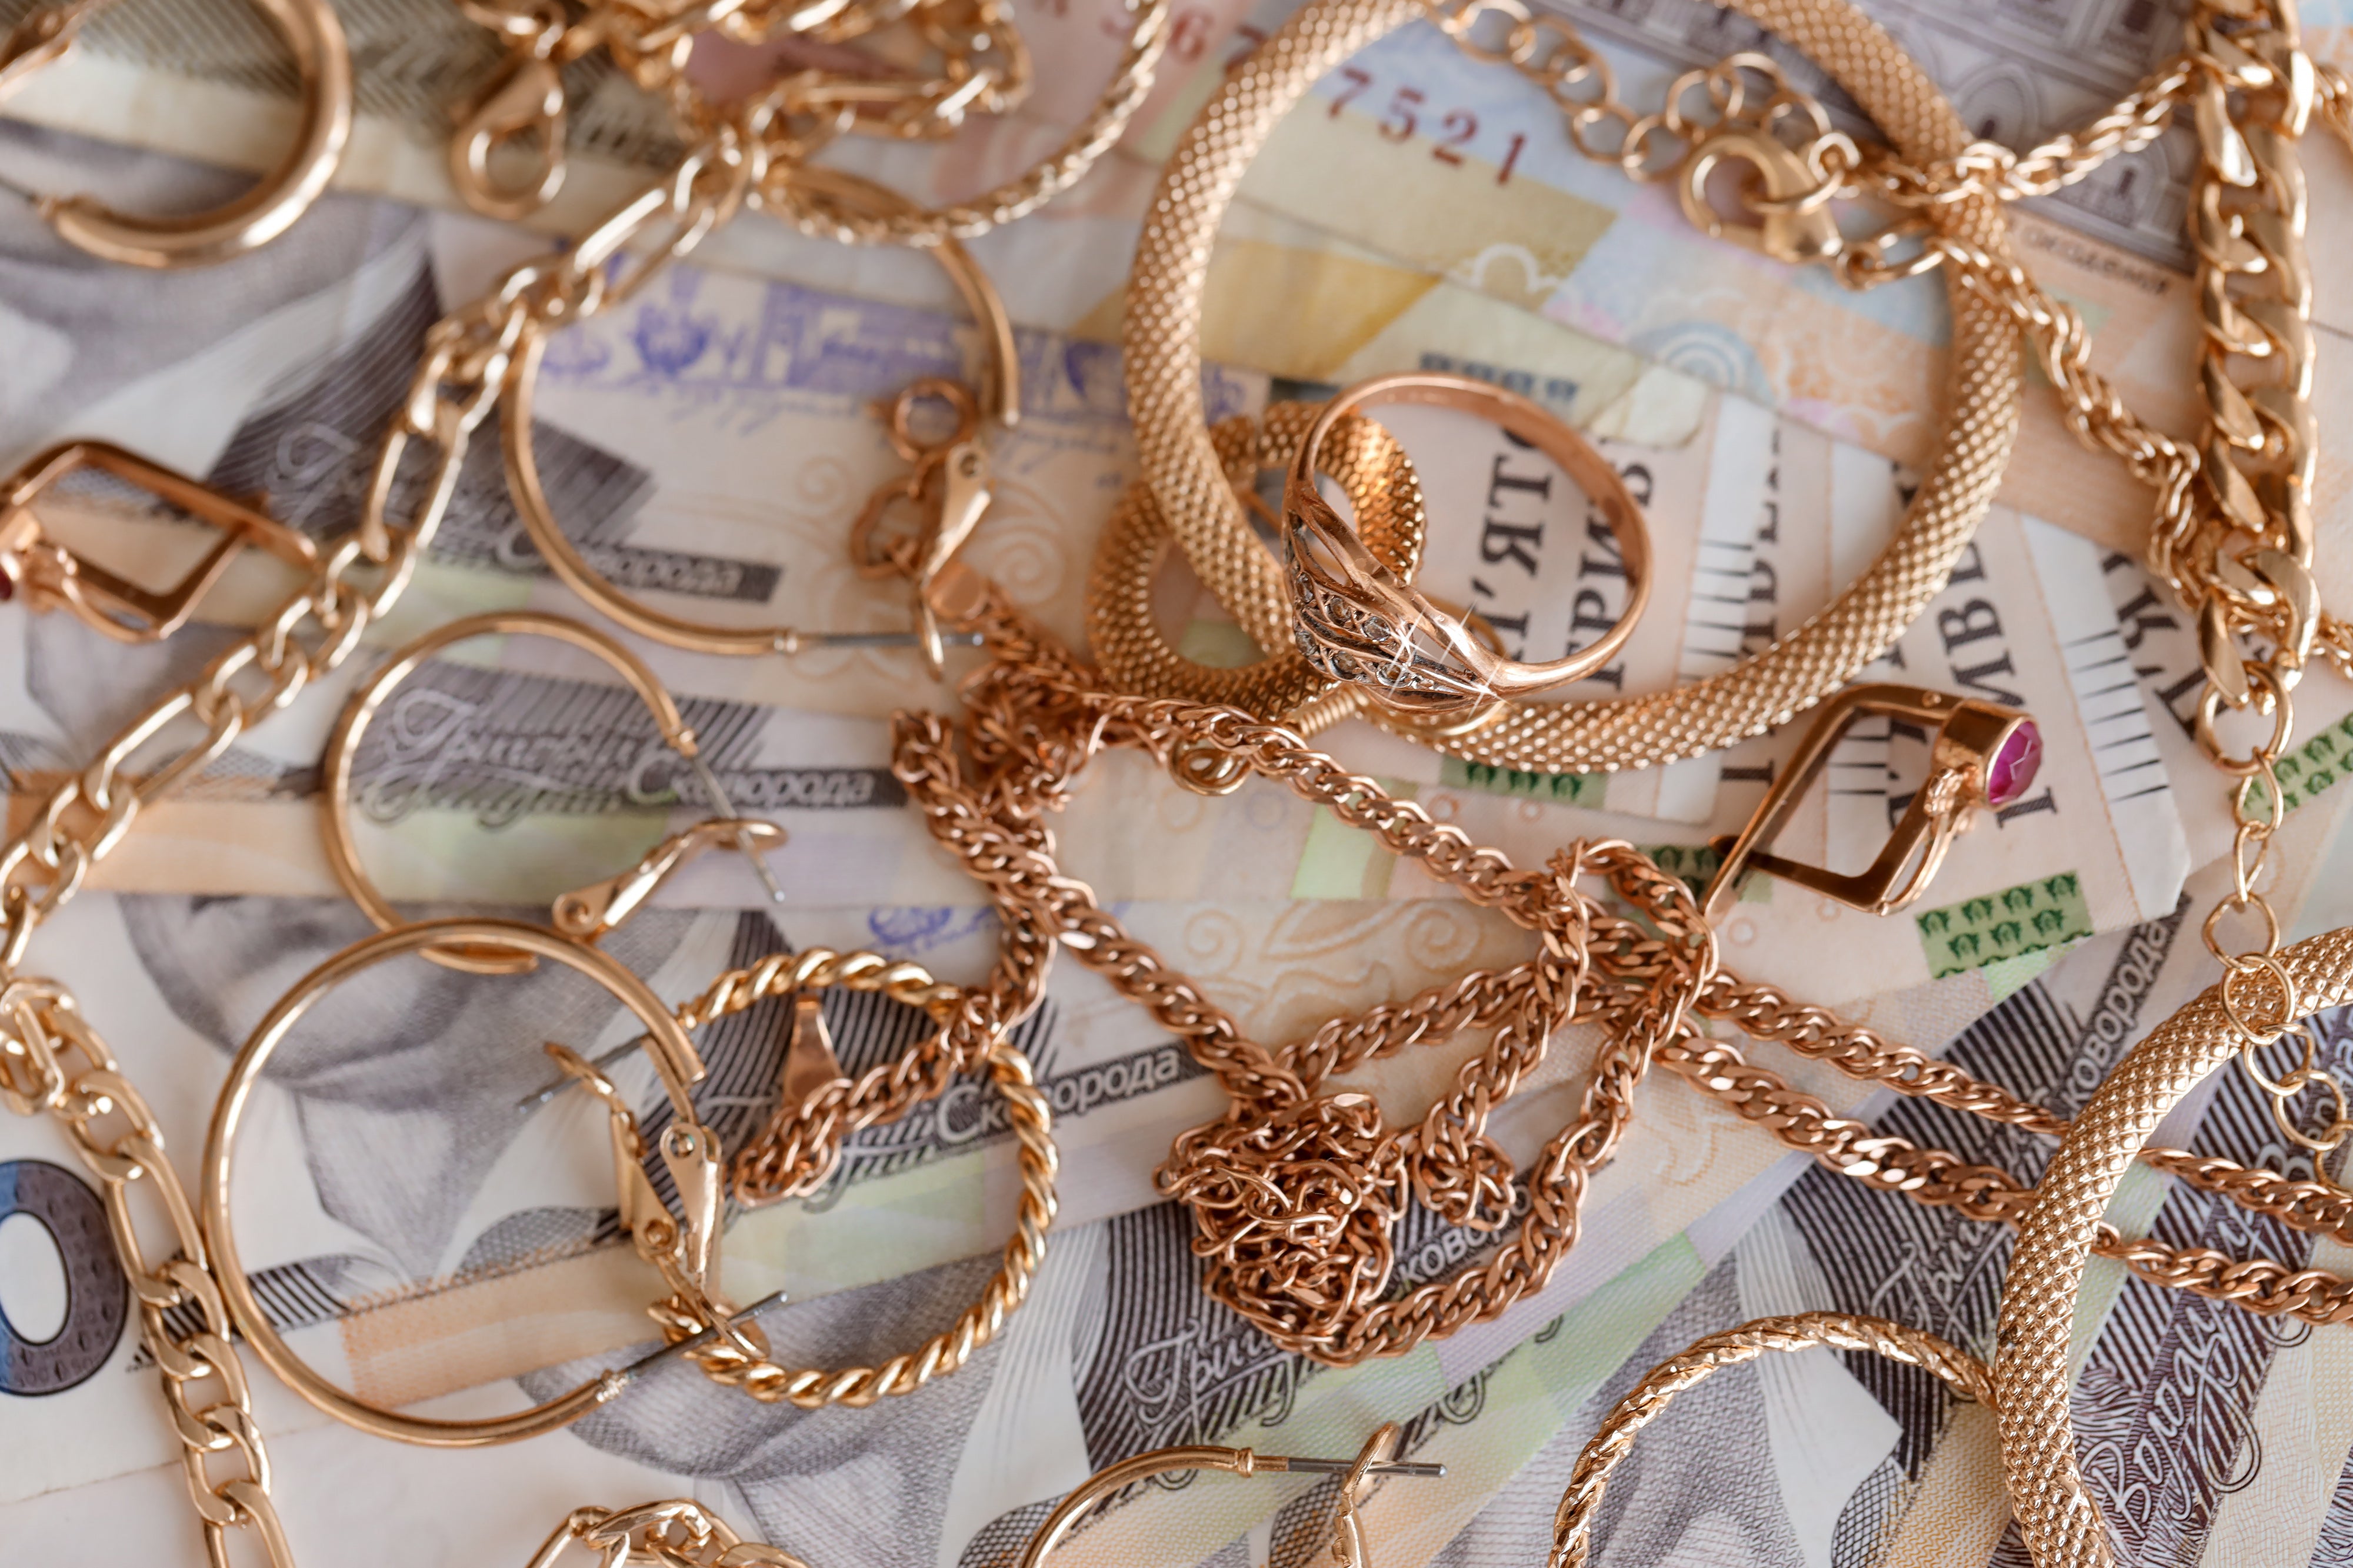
[(52, 1062)]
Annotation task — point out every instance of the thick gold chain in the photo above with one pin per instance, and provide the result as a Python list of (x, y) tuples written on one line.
[(52, 1062)]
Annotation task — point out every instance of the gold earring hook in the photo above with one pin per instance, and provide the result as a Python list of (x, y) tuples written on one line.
[(322, 66), (49, 575), (1980, 756), (585, 914)]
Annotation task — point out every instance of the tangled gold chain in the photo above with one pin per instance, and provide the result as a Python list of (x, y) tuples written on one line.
[(676, 1533), (1296, 1189)]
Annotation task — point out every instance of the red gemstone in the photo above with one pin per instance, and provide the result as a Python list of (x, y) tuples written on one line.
[(2015, 764)]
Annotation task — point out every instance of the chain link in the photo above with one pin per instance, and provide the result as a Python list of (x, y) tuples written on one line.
[(676, 1533), (52, 1062)]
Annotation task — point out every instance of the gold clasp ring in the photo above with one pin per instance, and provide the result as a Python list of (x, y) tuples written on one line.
[(1787, 193)]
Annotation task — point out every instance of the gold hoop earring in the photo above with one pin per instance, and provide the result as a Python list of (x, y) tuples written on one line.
[(323, 65), (584, 914), (1375, 1458), (682, 1245), (951, 480), (1580, 1502)]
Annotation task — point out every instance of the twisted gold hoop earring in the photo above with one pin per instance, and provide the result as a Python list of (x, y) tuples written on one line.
[(1580, 1502), (586, 915), (323, 65)]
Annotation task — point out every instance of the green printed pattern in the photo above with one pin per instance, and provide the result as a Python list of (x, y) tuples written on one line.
[(2005, 925), (1556, 789), (1695, 865), (2315, 767)]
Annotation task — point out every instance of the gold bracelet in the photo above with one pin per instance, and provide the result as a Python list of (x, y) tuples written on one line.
[(1162, 346), (2247, 1008), (322, 72), (676, 1533)]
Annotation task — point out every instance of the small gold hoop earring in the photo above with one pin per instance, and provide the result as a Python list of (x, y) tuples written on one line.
[(322, 63), (584, 914), (951, 483), (682, 1245), (1377, 1457)]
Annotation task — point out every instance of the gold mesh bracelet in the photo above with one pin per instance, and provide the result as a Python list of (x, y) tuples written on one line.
[(2056, 1516), (1162, 348)]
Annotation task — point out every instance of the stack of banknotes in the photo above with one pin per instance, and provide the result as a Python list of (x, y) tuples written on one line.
[(428, 1234)]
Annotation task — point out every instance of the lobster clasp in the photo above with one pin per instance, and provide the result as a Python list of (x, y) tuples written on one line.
[(50, 576), (587, 914), (949, 487), (524, 105), (1787, 192)]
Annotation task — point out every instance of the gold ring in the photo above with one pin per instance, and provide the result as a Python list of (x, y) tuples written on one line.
[(322, 66), (1356, 620), (675, 1062), (1163, 350), (999, 399), (1122, 625), (584, 914), (2056, 1516)]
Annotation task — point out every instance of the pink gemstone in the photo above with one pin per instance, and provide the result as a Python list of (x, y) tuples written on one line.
[(2015, 764)]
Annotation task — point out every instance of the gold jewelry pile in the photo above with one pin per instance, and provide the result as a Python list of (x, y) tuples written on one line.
[(1297, 1191)]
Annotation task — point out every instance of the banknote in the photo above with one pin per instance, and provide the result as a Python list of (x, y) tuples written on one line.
[(1803, 1459), (418, 1226), (2207, 1435), (1414, 126)]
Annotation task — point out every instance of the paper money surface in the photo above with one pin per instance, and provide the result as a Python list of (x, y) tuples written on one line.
[(1800, 1459), (708, 445)]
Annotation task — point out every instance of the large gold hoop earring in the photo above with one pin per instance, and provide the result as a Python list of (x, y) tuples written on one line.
[(322, 63), (682, 1245), (587, 913), (959, 468)]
